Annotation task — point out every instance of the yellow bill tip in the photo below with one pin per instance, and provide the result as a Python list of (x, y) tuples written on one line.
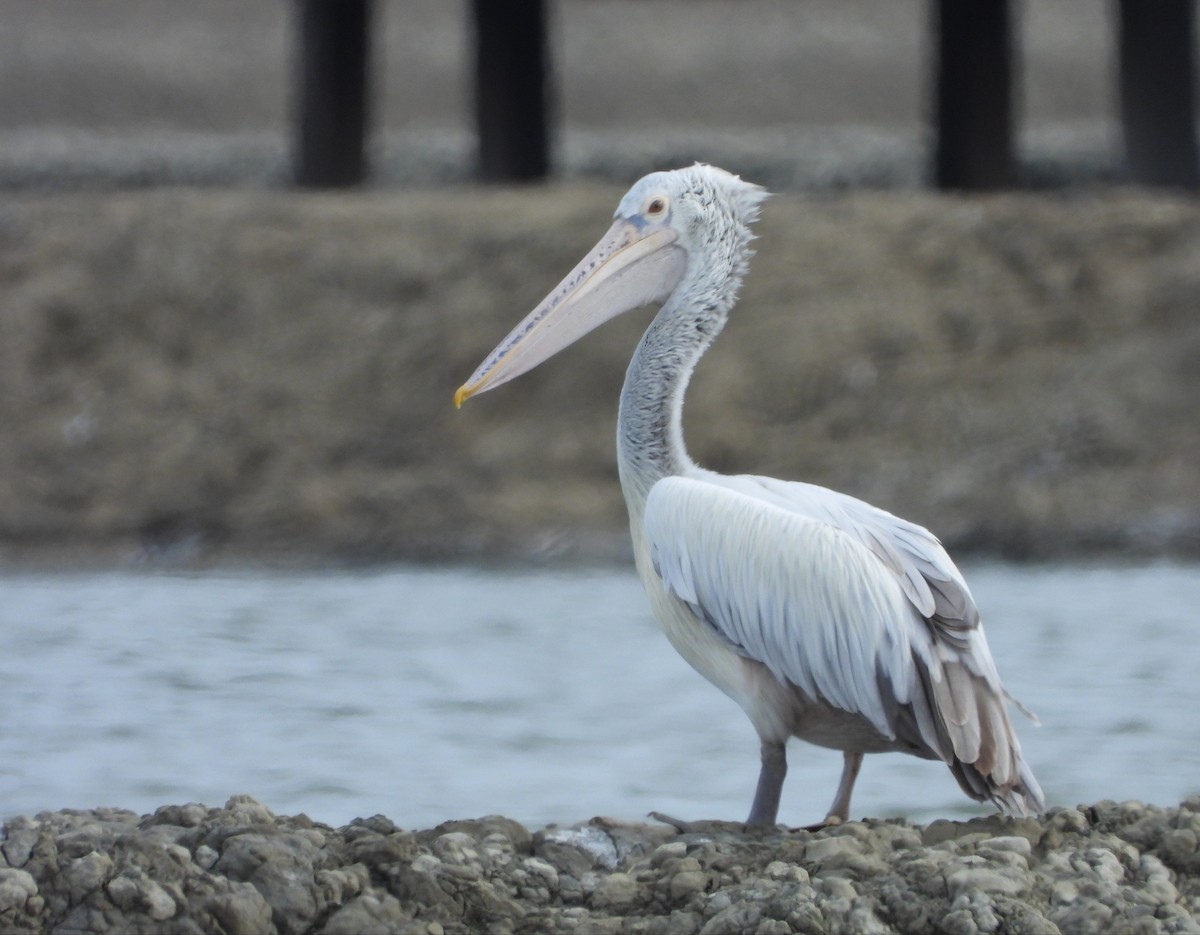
[(461, 395)]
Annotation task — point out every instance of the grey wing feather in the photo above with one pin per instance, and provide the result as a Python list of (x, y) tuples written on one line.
[(813, 605), (929, 576)]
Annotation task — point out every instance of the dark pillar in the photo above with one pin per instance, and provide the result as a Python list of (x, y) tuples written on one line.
[(331, 119), (1158, 91), (511, 112), (974, 95)]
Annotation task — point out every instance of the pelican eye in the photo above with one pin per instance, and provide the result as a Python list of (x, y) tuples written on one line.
[(656, 207)]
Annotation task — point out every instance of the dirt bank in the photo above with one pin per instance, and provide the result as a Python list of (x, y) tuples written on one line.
[(242, 869), (268, 374)]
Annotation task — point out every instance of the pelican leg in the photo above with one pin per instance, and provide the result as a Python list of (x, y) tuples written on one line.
[(770, 785), (839, 811)]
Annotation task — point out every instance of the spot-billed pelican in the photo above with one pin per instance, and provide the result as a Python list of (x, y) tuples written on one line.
[(824, 617)]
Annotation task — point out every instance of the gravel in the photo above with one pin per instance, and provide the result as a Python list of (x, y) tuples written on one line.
[(1125, 867)]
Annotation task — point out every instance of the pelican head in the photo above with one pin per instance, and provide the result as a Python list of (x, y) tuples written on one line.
[(688, 226)]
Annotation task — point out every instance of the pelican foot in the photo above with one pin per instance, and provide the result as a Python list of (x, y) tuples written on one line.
[(683, 827), (830, 821)]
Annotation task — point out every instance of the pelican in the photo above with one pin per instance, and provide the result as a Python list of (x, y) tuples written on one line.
[(823, 617)]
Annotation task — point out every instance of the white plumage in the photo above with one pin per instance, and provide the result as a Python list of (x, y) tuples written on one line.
[(823, 617)]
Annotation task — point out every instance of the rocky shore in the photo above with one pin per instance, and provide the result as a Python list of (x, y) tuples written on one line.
[(1111, 867)]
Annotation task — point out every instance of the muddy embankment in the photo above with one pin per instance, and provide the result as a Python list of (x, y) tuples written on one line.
[(267, 375)]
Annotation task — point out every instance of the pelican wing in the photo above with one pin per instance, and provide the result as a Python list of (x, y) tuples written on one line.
[(926, 573), (847, 602)]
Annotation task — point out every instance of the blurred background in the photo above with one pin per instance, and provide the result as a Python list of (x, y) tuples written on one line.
[(248, 251), (250, 248), (814, 93)]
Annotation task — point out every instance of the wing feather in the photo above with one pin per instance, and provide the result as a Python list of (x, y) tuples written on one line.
[(930, 579), (852, 605), (814, 605)]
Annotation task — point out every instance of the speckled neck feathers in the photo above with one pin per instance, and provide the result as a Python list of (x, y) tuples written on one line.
[(716, 209)]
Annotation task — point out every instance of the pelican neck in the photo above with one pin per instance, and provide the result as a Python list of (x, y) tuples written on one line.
[(650, 443)]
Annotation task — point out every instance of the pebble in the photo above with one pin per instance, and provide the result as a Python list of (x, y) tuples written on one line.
[(688, 879), (615, 892), (22, 834), (16, 887), (242, 869)]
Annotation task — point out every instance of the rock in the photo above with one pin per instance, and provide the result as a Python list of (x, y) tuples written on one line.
[(675, 849), (240, 909), (779, 870), (634, 840), (242, 869), (373, 913), (456, 848), (1157, 887), (16, 887), (844, 853), (981, 879), (615, 892), (1007, 844), (246, 811), (182, 816), (1179, 849), (545, 871), (84, 874), (1088, 916), (280, 867), (482, 828), (687, 880), (21, 835), (576, 850), (733, 920), (157, 901), (205, 856)]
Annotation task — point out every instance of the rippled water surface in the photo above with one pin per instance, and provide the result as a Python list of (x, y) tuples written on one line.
[(436, 694)]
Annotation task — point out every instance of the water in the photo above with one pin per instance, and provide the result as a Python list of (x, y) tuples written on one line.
[(436, 694)]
